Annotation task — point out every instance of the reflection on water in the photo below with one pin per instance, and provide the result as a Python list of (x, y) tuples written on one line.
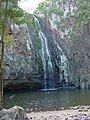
[(49, 100)]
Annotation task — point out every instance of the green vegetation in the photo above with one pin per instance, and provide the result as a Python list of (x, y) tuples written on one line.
[(66, 20), (10, 13)]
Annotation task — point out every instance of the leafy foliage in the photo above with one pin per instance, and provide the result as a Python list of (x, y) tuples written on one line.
[(69, 15), (41, 7), (8, 40), (11, 13)]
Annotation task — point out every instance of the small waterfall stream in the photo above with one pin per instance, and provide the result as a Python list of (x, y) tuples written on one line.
[(46, 58), (64, 63), (45, 55)]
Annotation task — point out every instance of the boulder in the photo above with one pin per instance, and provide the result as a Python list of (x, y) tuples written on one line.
[(14, 113)]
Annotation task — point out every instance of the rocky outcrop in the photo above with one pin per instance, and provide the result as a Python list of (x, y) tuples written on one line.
[(77, 53), (26, 65), (20, 69), (33, 55), (79, 59), (14, 113)]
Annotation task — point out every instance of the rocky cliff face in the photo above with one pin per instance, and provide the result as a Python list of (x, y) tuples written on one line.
[(77, 52), (20, 69), (41, 59), (80, 60), (34, 58)]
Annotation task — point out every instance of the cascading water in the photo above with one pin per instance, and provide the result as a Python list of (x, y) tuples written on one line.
[(46, 58), (45, 55), (64, 64), (64, 67), (29, 40)]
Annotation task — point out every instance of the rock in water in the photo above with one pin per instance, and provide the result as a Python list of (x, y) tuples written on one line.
[(14, 113)]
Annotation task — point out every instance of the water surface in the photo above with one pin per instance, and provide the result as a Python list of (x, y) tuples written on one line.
[(49, 100)]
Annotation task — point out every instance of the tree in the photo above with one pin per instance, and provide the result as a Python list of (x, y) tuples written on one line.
[(69, 15), (3, 24), (9, 12)]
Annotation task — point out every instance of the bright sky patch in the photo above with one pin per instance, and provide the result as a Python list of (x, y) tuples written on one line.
[(29, 5)]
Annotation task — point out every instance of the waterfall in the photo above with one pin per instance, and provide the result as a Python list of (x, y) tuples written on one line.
[(28, 40), (46, 58), (64, 66), (49, 81), (45, 55), (64, 63)]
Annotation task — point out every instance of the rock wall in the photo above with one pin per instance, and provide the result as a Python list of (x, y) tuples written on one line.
[(77, 52), (20, 69), (23, 60), (80, 60)]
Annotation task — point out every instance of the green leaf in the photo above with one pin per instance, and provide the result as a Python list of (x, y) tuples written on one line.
[(8, 40)]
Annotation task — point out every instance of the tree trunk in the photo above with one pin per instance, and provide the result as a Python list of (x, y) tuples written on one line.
[(2, 53), (1, 78)]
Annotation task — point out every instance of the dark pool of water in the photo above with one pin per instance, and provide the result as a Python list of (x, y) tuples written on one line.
[(49, 100)]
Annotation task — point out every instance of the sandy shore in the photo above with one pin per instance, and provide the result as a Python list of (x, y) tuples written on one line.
[(74, 113)]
